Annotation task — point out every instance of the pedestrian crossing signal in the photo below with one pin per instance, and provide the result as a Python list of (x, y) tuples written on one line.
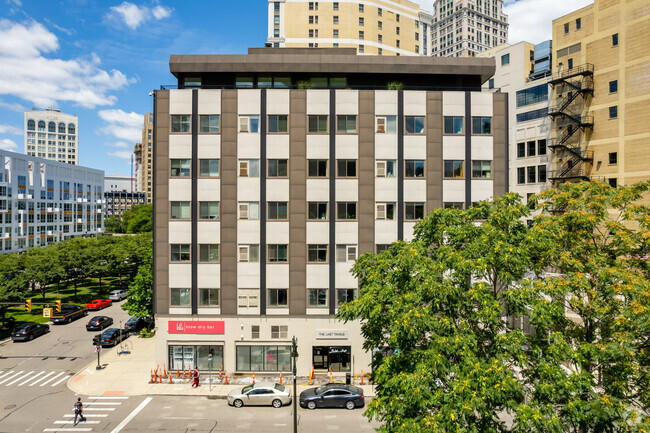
[(57, 307), (28, 305)]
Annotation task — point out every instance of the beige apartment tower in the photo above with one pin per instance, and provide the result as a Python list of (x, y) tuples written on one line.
[(52, 135), (143, 155)]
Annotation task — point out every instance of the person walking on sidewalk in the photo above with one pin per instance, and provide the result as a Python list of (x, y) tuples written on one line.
[(78, 411), (195, 383)]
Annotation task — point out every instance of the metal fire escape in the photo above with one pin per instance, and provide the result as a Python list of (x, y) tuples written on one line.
[(573, 87)]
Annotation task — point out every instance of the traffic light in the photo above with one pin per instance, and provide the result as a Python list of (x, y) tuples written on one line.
[(28, 305), (57, 307)]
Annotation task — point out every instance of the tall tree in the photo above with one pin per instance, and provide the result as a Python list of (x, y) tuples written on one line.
[(113, 224), (138, 219), (140, 296), (11, 287), (41, 268)]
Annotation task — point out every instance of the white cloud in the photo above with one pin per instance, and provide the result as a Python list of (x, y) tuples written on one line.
[(6, 144), (25, 73), (122, 154), (133, 15), (122, 125), (8, 129)]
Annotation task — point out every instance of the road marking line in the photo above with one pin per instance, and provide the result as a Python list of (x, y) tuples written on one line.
[(99, 408), (68, 429), (48, 374), (61, 380), (20, 378), (30, 379), (104, 403), (68, 421), (70, 415), (11, 377), (51, 379), (5, 373), (107, 398), (132, 415)]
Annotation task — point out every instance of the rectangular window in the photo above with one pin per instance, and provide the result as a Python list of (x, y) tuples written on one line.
[(249, 123), (360, 7), (179, 297), (379, 11), (521, 175), (361, 49), (335, 33), (578, 23), (317, 123), (453, 205), (209, 168), (179, 253), (453, 168), (386, 168), (379, 39), (521, 150), (277, 123), (613, 158), (379, 248), (311, 19), (249, 168), (532, 95), (317, 253), (612, 182), (317, 168), (317, 297), (277, 168), (180, 168), (346, 124), (481, 125), (385, 211), (379, 25), (209, 210), (249, 210), (541, 147), (414, 168), (255, 331), (505, 59), (277, 210), (256, 358), (277, 253), (541, 173), (345, 295), (209, 253), (531, 174), (386, 125), (249, 253), (453, 125), (613, 86), (346, 167), (335, 6), (361, 21), (181, 123), (180, 210), (615, 40), (613, 112), (346, 210), (532, 115), (414, 124), (209, 123), (346, 253), (413, 211), (279, 331), (208, 297), (360, 35), (317, 210), (531, 148), (566, 28), (335, 19), (482, 169), (278, 298)]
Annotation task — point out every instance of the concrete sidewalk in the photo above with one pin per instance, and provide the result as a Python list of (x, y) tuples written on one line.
[(129, 375)]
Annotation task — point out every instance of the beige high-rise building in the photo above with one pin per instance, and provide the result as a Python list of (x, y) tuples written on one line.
[(383, 27), (142, 152), (464, 28), (601, 92), (52, 135)]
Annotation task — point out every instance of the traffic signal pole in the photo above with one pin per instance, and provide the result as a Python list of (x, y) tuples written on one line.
[(294, 355)]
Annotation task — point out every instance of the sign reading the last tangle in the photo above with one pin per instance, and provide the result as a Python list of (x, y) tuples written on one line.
[(332, 334)]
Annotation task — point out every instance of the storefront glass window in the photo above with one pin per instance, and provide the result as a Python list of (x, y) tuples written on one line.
[(190, 356), (263, 358)]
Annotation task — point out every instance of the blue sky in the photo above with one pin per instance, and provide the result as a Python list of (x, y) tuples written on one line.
[(99, 59)]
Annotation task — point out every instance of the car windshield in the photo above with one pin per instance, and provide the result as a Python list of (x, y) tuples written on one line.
[(24, 326), (279, 387), (132, 320), (321, 389), (246, 389), (108, 333), (355, 389)]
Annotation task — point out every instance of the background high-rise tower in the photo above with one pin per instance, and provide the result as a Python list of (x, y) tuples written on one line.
[(53, 135)]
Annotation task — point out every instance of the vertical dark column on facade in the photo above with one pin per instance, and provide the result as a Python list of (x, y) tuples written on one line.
[(468, 149), (332, 215), (366, 214), (297, 202), (161, 203), (500, 143), (434, 150), (263, 201), (400, 165), (194, 207), (228, 203)]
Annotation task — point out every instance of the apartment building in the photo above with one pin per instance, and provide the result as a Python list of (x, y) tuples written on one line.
[(265, 195), (601, 91), (379, 27), (464, 28), (52, 135), (43, 201), (143, 158), (119, 195)]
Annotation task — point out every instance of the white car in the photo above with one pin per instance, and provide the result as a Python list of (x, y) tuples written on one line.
[(117, 295), (260, 394)]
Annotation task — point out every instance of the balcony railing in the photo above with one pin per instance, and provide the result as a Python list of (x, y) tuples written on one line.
[(584, 69)]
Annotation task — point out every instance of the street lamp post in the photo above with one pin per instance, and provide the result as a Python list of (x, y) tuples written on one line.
[(294, 355)]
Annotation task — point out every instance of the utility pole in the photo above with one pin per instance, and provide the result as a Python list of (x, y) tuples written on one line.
[(294, 355)]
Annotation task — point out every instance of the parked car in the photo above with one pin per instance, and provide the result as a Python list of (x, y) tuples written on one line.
[(136, 323), (28, 331), (98, 323), (68, 313), (98, 304), (332, 395), (110, 337), (117, 295), (260, 394)]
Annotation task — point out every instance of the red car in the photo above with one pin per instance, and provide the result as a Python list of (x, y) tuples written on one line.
[(98, 304)]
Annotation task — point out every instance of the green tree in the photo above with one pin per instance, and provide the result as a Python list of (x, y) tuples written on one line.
[(11, 287), (75, 259), (113, 224), (139, 300), (138, 219), (41, 268)]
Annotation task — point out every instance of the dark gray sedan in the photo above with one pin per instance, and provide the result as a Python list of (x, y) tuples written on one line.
[(29, 331), (332, 395)]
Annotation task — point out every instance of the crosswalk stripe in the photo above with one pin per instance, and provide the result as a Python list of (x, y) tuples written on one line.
[(60, 380), (90, 415), (20, 378), (107, 398), (68, 429), (5, 373), (30, 379), (11, 377), (99, 408), (51, 379), (104, 403), (48, 374), (69, 421)]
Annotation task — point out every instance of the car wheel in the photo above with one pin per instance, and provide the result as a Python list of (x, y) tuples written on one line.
[(238, 403), (276, 403), (349, 405), (31, 337), (67, 320), (311, 405)]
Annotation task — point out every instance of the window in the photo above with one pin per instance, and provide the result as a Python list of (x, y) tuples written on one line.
[(361, 49), (481, 125), (278, 298), (277, 123), (346, 253), (491, 83), (532, 115), (541, 147), (335, 6), (249, 210), (256, 358), (346, 210), (453, 205), (578, 23), (209, 123), (180, 253), (277, 210), (318, 123), (521, 175), (379, 39), (453, 168), (345, 295), (317, 168), (482, 169), (255, 331), (313, 6), (317, 297), (360, 36), (31, 126), (360, 7), (209, 167), (249, 168), (249, 253), (208, 297), (346, 124), (532, 95), (346, 167), (414, 124), (379, 248), (531, 148), (397, 43), (385, 211), (386, 124), (612, 182), (311, 19), (521, 150), (613, 112), (277, 253), (180, 167), (209, 210), (361, 21), (531, 174), (317, 210), (505, 59), (208, 253), (413, 211), (249, 123), (615, 40), (570, 63), (414, 168), (453, 125), (180, 210), (335, 19), (277, 168), (566, 28), (181, 123), (613, 158), (386, 168), (335, 33), (279, 331), (379, 51), (316, 253), (180, 297), (541, 173), (379, 11), (379, 25)]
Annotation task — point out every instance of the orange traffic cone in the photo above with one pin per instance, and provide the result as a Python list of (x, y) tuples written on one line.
[(178, 374), (151, 378), (253, 377), (280, 378), (331, 378), (220, 377), (226, 378), (170, 378), (361, 377)]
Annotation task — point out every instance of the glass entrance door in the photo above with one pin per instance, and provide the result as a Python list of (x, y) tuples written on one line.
[(338, 357)]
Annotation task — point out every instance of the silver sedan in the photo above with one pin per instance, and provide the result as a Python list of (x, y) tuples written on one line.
[(260, 394)]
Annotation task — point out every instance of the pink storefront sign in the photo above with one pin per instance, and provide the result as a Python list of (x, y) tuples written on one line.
[(196, 327)]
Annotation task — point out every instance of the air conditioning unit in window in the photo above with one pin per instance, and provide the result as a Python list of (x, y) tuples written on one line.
[(243, 168), (243, 254), (381, 125), (381, 168), (381, 211), (243, 211), (243, 124)]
